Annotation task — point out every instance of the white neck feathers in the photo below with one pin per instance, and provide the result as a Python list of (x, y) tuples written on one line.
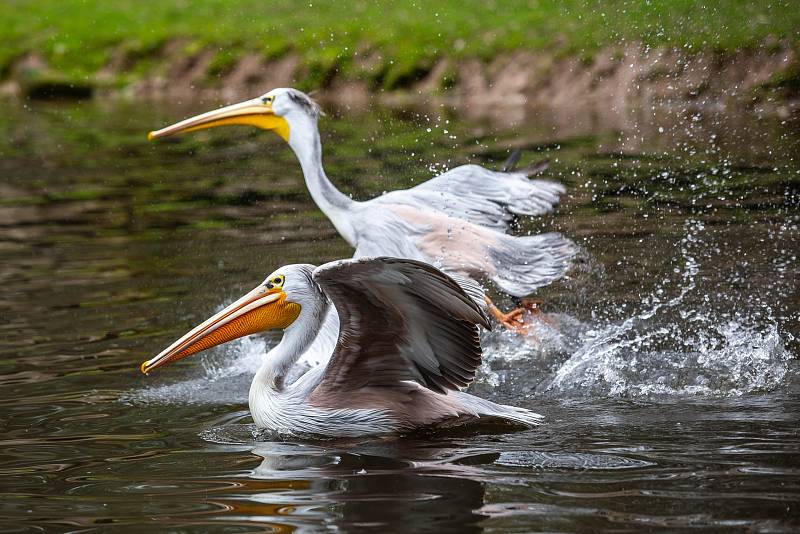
[(297, 338), (305, 142)]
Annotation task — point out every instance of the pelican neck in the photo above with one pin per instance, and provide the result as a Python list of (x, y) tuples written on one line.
[(306, 144), (296, 340)]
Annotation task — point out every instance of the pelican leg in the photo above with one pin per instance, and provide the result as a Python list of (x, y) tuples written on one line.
[(518, 320), (513, 320)]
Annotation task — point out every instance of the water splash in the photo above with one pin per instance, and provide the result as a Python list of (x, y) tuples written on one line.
[(223, 377), (729, 359), (671, 349), (506, 354)]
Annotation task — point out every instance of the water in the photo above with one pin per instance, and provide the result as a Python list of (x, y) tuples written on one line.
[(667, 371)]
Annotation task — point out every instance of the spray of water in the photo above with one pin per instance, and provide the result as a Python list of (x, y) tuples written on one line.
[(223, 377), (667, 348)]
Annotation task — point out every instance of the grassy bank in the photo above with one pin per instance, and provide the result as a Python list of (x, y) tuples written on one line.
[(77, 38)]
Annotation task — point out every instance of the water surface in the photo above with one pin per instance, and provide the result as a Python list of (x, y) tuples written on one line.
[(667, 375)]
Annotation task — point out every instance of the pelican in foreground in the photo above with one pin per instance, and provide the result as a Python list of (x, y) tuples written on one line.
[(456, 221), (402, 339)]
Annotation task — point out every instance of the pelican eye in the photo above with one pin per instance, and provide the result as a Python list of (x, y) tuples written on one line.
[(267, 99), (276, 281)]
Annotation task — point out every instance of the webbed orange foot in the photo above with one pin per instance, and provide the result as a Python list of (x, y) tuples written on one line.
[(513, 320), (524, 320)]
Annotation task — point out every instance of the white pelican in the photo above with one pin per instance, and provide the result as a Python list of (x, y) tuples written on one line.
[(456, 221), (406, 340)]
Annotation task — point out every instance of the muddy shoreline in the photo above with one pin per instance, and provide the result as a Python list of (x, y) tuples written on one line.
[(765, 79)]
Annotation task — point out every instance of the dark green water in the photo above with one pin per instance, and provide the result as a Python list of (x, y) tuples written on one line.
[(669, 381)]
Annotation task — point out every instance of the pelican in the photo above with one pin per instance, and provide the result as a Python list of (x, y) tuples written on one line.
[(406, 342), (456, 221)]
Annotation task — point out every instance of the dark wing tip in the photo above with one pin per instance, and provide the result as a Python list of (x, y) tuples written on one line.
[(536, 168), (530, 171), (511, 161)]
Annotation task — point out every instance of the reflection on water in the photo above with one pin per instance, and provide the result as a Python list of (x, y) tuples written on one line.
[(668, 373)]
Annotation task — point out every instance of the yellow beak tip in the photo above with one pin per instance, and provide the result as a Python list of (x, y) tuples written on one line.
[(151, 136), (143, 367)]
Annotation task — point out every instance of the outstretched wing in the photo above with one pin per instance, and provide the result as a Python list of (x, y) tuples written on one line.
[(480, 196), (400, 320), (394, 239)]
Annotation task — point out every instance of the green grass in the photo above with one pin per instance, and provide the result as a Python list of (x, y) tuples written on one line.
[(77, 38)]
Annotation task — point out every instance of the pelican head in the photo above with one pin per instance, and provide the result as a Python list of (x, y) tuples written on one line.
[(284, 111), (274, 304)]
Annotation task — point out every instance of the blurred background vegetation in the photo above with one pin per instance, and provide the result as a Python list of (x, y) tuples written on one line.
[(76, 39)]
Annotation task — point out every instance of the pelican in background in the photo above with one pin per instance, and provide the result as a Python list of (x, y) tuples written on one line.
[(407, 341), (456, 220)]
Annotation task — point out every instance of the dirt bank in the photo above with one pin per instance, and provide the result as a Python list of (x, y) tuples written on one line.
[(615, 79)]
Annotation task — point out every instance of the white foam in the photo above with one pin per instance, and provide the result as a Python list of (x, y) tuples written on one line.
[(222, 377), (669, 349), (729, 359)]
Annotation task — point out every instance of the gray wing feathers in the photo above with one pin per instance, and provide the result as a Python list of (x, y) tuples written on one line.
[(486, 408), (400, 320), (482, 196), (394, 241), (525, 263), (471, 288)]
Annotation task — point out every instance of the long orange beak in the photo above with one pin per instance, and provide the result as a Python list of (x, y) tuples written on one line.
[(259, 310), (250, 112)]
